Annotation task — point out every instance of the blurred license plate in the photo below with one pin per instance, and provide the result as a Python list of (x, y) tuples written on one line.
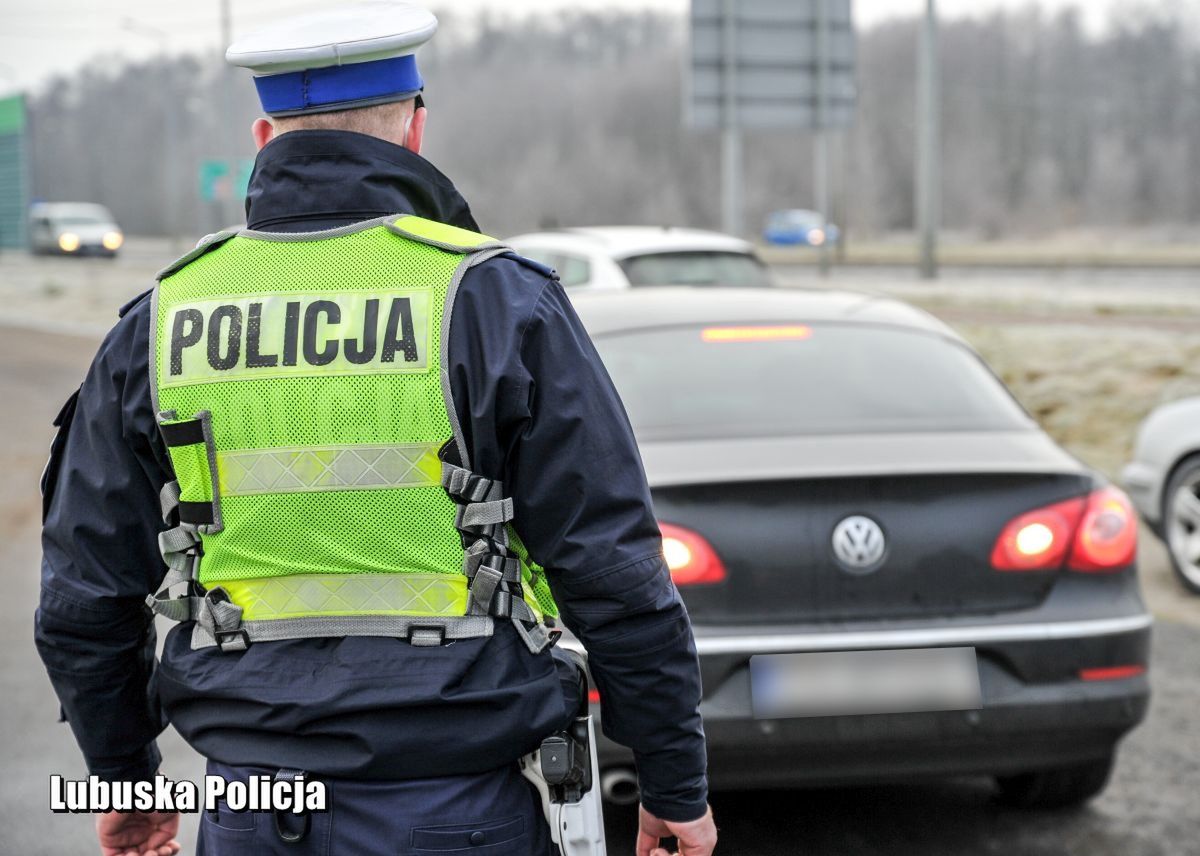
[(837, 683)]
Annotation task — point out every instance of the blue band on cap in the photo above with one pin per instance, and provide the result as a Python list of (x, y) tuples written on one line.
[(336, 84)]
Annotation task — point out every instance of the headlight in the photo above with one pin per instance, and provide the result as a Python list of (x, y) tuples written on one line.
[(112, 240), (68, 242), (816, 237)]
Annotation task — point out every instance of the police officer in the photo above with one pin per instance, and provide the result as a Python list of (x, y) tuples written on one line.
[(377, 455)]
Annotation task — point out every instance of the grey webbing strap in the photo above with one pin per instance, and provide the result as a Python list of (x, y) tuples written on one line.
[(482, 512), (488, 573), (480, 553), (168, 500), (222, 619), (485, 513), (465, 485), (178, 540), (177, 546), (476, 554), (483, 589), (175, 608), (396, 626), (535, 636)]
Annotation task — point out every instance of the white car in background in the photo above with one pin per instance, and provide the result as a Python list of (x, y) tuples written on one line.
[(1163, 480), (620, 257), (73, 229)]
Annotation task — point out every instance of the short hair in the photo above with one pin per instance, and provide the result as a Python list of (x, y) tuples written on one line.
[(378, 120)]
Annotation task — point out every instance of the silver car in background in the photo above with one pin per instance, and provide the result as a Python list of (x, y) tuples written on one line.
[(73, 229), (1163, 480), (604, 258)]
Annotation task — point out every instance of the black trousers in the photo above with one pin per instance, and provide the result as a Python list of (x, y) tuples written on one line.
[(492, 814)]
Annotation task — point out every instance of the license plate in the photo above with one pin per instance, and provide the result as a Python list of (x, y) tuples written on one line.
[(838, 683)]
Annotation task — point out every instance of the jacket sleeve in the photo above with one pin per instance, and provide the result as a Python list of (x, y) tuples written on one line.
[(540, 411), (100, 558)]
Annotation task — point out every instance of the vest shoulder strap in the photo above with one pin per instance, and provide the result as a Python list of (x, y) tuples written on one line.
[(441, 235), (208, 242)]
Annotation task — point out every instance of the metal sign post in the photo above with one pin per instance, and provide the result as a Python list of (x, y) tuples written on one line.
[(929, 180), (821, 143), (770, 65), (731, 134)]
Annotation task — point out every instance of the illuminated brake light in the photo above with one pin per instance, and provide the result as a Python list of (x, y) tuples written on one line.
[(1038, 540), (593, 696), (1093, 533), (691, 559), (755, 334), (1111, 673), (1107, 537)]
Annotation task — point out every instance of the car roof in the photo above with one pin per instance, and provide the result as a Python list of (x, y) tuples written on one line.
[(623, 241), (66, 209), (643, 308)]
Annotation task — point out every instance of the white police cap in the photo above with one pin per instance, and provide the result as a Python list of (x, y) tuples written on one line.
[(337, 59)]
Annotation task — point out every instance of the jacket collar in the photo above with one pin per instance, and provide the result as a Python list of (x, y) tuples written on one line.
[(310, 180)]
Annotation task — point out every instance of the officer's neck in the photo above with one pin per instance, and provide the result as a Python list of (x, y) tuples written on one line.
[(312, 180)]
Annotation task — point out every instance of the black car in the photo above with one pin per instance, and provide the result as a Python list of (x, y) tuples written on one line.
[(891, 569)]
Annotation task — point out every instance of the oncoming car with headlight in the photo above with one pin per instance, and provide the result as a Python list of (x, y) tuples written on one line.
[(73, 229), (892, 571)]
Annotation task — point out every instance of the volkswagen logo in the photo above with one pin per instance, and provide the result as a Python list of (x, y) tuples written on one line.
[(859, 544)]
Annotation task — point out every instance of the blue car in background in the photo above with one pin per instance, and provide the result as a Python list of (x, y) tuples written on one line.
[(799, 227)]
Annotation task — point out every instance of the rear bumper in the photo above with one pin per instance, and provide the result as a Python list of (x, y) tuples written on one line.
[(1040, 728), (1029, 720)]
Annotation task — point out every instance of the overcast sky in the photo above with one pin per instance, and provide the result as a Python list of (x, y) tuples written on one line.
[(44, 37)]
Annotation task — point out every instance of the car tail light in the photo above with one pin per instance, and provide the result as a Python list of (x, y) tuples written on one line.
[(691, 560), (1111, 673), (1097, 532), (1107, 537), (1038, 540), (593, 696)]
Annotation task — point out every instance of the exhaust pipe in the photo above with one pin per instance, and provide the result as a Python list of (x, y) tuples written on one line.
[(619, 786)]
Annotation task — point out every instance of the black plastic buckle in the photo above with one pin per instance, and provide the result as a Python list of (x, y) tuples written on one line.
[(286, 835), (223, 636), (501, 605), (427, 628)]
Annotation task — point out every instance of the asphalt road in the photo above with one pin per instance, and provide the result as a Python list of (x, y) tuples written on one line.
[(1151, 809)]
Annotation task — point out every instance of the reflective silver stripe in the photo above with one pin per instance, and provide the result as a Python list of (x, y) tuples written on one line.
[(349, 595), (471, 627), (918, 637), (316, 468)]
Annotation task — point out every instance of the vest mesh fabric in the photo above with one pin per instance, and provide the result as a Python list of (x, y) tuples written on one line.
[(397, 530), (298, 524)]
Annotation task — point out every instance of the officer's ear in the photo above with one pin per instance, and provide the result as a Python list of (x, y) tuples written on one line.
[(416, 130), (263, 132)]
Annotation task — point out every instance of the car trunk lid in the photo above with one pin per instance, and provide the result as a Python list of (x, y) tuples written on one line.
[(939, 502)]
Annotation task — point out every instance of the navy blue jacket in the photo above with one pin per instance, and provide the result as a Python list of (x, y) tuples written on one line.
[(538, 411)]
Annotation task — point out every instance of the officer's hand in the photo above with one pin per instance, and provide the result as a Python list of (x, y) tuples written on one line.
[(138, 833), (696, 837)]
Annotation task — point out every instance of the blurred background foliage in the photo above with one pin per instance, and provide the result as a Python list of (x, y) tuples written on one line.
[(577, 119)]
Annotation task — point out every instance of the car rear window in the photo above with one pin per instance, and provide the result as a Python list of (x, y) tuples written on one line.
[(776, 380), (696, 268)]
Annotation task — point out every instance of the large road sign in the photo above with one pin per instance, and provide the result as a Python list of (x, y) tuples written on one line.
[(761, 64), (219, 181), (14, 173)]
